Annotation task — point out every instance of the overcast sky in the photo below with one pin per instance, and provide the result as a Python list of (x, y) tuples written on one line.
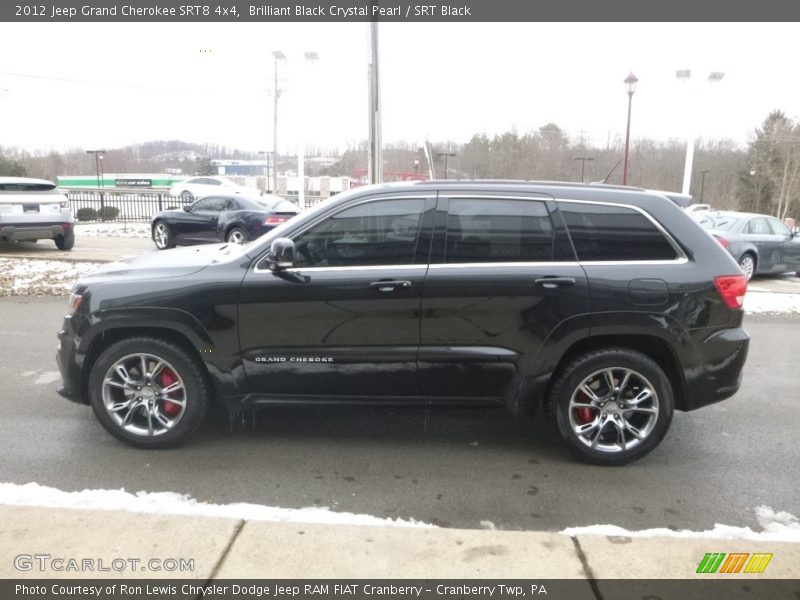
[(113, 84)]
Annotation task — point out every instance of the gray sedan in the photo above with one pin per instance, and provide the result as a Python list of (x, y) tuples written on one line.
[(761, 244)]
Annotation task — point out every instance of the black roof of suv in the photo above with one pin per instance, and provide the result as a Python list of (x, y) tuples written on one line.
[(608, 305)]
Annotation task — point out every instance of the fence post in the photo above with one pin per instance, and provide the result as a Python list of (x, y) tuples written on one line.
[(160, 205), (102, 206)]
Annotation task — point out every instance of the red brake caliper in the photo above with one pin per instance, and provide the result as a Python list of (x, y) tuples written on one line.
[(170, 409), (585, 415)]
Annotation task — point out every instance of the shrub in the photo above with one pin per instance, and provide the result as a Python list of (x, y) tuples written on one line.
[(86, 214), (109, 213)]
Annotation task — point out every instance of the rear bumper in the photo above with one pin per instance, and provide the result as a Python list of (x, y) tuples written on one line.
[(20, 232), (723, 355)]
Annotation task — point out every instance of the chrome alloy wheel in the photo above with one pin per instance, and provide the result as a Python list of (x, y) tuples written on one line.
[(161, 235), (747, 265), (613, 410), (236, 236), (144, 394)]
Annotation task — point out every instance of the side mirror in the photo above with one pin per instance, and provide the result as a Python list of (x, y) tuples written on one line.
[(281, 254), (187, 207)]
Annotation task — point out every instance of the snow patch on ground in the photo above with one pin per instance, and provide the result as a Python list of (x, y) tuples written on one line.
[(171, 503), (777, 527), (771, 302), (137, 229), (27, 277)]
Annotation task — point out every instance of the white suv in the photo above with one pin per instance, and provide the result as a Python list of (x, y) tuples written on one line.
[(34, 209)]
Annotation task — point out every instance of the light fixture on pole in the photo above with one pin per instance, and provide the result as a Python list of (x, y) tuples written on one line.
[(630, 87), (278, 55), (686, 75), (98, 156)]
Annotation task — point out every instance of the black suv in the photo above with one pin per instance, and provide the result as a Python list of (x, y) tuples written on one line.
[(609, 305)]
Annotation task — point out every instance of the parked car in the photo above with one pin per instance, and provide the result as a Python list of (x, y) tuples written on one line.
[(234, 219), (199, 187), (34, 209), (607, 305), (761, 244), (695, 208)]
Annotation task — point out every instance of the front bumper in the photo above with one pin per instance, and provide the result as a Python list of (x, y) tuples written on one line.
[(69, 365)]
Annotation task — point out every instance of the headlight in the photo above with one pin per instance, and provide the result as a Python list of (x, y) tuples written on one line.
[(74, 303)]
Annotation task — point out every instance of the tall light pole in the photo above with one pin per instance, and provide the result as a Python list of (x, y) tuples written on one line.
[(583, 160), (375, 151), (278, 55), (685, 75), (630, 87), (446, 156), (702, 183), (98, 157), (310, 57)]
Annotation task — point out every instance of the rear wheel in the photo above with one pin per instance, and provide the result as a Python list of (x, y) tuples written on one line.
[(148, 392), (187, 196), (612, 406), (65, 241), (162, 236), (236, 235), (747, 263)]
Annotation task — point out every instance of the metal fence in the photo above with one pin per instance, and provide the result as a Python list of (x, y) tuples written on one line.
[(120, 204)]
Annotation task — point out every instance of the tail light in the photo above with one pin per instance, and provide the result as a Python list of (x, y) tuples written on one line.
[(732, 289), (722, 241), (275, 220)]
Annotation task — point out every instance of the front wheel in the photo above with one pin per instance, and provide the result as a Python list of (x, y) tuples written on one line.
[(162, 236), (187, 196), (148, 392), (612, 406)]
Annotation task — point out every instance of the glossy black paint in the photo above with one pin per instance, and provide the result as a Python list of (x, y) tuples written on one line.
[(429, 331), (194, 224)]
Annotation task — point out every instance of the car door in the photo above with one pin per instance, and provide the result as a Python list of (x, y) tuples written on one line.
[(790, 245), (502, 278), (759, 233), (343, 323), (201, 227)]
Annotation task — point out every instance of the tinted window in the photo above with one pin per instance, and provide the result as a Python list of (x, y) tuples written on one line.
[(601, 232), (383, 232), (211, 204), (498, 230)]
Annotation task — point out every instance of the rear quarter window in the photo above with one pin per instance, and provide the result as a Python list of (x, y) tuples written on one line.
[(603, 232)]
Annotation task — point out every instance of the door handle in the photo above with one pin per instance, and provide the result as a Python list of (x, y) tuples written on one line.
[(554, 282), (389, 285)]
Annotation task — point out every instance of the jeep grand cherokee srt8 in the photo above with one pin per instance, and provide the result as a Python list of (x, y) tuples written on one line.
[(608, 305)]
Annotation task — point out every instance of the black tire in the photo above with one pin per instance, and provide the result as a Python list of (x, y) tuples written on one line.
[(748, 263), (616, 444), (65, 241), (237, 235), (162, 236), (185, 369), (187, 196)]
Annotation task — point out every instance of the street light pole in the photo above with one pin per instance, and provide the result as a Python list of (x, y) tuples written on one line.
[(375, 169), (702, 183), (583, 160), (630, 87), (278, 55), (685, 75), (98, 156), (446, 156), (310, 58)]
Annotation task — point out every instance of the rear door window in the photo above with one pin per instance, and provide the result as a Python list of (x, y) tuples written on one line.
[(602, 232), (498, 230)]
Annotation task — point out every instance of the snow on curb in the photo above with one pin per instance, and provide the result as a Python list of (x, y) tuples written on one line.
[(27, 277), (171, 503), (778, 527), (771, 302), (138, 230)]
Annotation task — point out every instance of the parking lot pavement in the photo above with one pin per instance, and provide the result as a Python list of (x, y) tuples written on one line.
[(87, 249), (786, 284)]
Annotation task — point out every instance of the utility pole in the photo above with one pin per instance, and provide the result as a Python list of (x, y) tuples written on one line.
[(702, 183), (278, 55), (98, 157), (583, 160), (375, 169)]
